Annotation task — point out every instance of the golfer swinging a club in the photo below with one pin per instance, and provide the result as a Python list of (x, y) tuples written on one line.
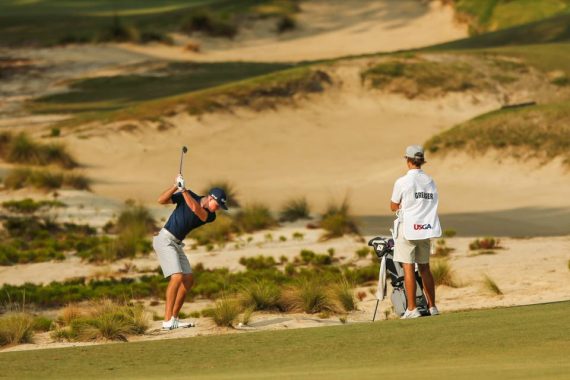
[(191, 212), (415, 200)]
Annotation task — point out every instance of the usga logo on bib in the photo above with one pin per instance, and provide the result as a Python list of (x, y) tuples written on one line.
[(422, 226)]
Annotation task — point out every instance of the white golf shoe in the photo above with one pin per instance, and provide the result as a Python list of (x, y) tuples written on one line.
[(411, 314), (433, 311), (183, 325)]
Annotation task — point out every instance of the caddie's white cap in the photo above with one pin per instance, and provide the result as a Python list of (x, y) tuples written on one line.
[(414, 151)]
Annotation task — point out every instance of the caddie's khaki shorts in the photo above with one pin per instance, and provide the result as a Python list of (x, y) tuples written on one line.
[(170, 253), (411, 251)]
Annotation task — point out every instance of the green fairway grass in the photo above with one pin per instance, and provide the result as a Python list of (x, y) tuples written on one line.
[(117, 92), (529, 342)]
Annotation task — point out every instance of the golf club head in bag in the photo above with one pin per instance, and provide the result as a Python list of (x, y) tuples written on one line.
[(381, 246)]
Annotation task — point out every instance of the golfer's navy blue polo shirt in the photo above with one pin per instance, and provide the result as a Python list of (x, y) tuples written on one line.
[(183, 220)]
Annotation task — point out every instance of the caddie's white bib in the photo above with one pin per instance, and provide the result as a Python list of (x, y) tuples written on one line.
[(417, 194)]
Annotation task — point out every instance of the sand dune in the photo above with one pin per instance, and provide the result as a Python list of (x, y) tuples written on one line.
[(329, 29)]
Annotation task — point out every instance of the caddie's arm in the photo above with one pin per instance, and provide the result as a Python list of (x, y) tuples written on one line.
[(195, 206), (167, 195)]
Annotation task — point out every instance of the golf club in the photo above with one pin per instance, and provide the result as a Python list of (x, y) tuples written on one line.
[(184, 150)]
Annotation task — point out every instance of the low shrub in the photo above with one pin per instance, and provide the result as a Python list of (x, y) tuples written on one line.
[(45, 179), (485, 243), (42, 323), (219, 232), (105, 319), (286, 23), (21, 149), (258, 262), (225, 311), (16, 328), (441, 248), (442, 273), (261, 295), (119, 32), (343, 291), (309, 296), (491, 285), (254, 217), (295, 209), (338, 221), (30, 206), (363, 252), (210, 23), (449, 233)]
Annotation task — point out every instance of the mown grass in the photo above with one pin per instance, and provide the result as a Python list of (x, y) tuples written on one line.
[(258, 93), (541, 131), (509, 343), (106, 94)]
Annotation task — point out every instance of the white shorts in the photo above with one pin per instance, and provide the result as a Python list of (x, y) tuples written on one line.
[(411, 251), (170, 253)]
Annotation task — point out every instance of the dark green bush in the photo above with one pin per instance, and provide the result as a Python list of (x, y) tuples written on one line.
[(258, 262), (211, 23), (254, 217)]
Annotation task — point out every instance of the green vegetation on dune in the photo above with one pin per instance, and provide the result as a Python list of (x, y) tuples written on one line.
[(490, 15), (554, 29), (260, 92), (511, 343), (118, 92), (541, 131)]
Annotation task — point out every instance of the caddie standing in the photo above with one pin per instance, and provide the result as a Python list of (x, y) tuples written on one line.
[(415, 199)]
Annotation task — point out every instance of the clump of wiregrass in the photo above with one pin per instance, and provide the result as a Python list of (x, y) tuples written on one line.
[(343, 292), (210, 23), (118, 31), (487, 243), (30, 206), (261, 295), (225, 311), (132, 228), (232, 198), (442, 273), (286, 23), (21, 149), (441, 249), (16, 328), (490, 285), (338, 221), (363, 252), (219, 232), (102, 320), (44, 179), (254, 217), (295, 209), (449, 233), (258, 262), (308, 295)]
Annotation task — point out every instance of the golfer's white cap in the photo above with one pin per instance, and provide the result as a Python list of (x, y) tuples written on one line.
[(414, 151)]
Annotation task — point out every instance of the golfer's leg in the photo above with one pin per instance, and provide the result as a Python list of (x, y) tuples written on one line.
[(171, 292), (410, 284), (185, 286), (429, 285)]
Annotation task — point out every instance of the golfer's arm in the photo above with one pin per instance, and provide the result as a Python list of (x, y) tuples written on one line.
[(195, 206), (394, 206), (167, 195)]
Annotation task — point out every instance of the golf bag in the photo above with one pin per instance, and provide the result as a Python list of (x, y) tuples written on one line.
[(384, 249)]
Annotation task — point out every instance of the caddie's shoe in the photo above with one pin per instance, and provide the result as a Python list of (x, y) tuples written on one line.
[(433, 311), (184, 325), (411, 314), (169, 325)]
